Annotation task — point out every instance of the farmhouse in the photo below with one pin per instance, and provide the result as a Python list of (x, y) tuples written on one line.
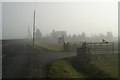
[(57, 34)]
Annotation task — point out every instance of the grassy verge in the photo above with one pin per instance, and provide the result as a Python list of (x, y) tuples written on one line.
[(107, 63), (59, 47), (63, 69), (93, 66), (50, 46)]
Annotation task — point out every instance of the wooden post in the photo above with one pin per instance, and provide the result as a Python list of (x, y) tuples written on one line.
[(91, 49), (107, 48), (33, 28), (113, 48)]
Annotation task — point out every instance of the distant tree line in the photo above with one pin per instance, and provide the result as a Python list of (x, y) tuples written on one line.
[(75, 38), (94, 38)]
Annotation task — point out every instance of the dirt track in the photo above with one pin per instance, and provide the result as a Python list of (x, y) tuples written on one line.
[(21, 61)]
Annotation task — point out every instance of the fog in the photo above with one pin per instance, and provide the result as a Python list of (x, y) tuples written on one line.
[(72, 17), (0, 21)]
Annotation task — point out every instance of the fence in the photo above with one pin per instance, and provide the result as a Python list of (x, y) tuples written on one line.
[(101, 48), (93, 48)]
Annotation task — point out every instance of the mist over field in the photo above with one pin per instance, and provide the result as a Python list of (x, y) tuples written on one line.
[(59, 39), (91, 18), (0, 20)]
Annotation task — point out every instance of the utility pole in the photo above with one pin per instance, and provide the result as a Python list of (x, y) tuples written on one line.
[(34, 29), (28, 33)]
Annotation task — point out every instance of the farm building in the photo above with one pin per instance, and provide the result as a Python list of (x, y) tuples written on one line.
[(55, 35)]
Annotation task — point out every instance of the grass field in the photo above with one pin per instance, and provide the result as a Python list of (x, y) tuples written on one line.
[(107, 63), (50, 46), (59, 47), (100, 66)]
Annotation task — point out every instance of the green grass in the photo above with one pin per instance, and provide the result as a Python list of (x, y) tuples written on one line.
[(63, 69), (98, 66), (41, 49), (107, 63), (59, 47), (50, 46)]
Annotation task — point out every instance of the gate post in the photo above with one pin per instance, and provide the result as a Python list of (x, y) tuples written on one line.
[(113, 48), (81, 51)]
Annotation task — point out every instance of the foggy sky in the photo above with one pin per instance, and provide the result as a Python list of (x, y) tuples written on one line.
[(74, 18), (0, 20)]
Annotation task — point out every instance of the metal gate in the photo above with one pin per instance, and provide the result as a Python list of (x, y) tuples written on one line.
[(92, 47), (101, 48)]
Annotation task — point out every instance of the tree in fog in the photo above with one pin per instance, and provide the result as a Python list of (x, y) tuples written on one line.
[(101, 36), (38, 35), (109, 36), (78, 37), (83, 36), (68, 38), (74, 37)]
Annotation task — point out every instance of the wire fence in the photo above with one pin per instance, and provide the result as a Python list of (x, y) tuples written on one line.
[(93, 48)]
